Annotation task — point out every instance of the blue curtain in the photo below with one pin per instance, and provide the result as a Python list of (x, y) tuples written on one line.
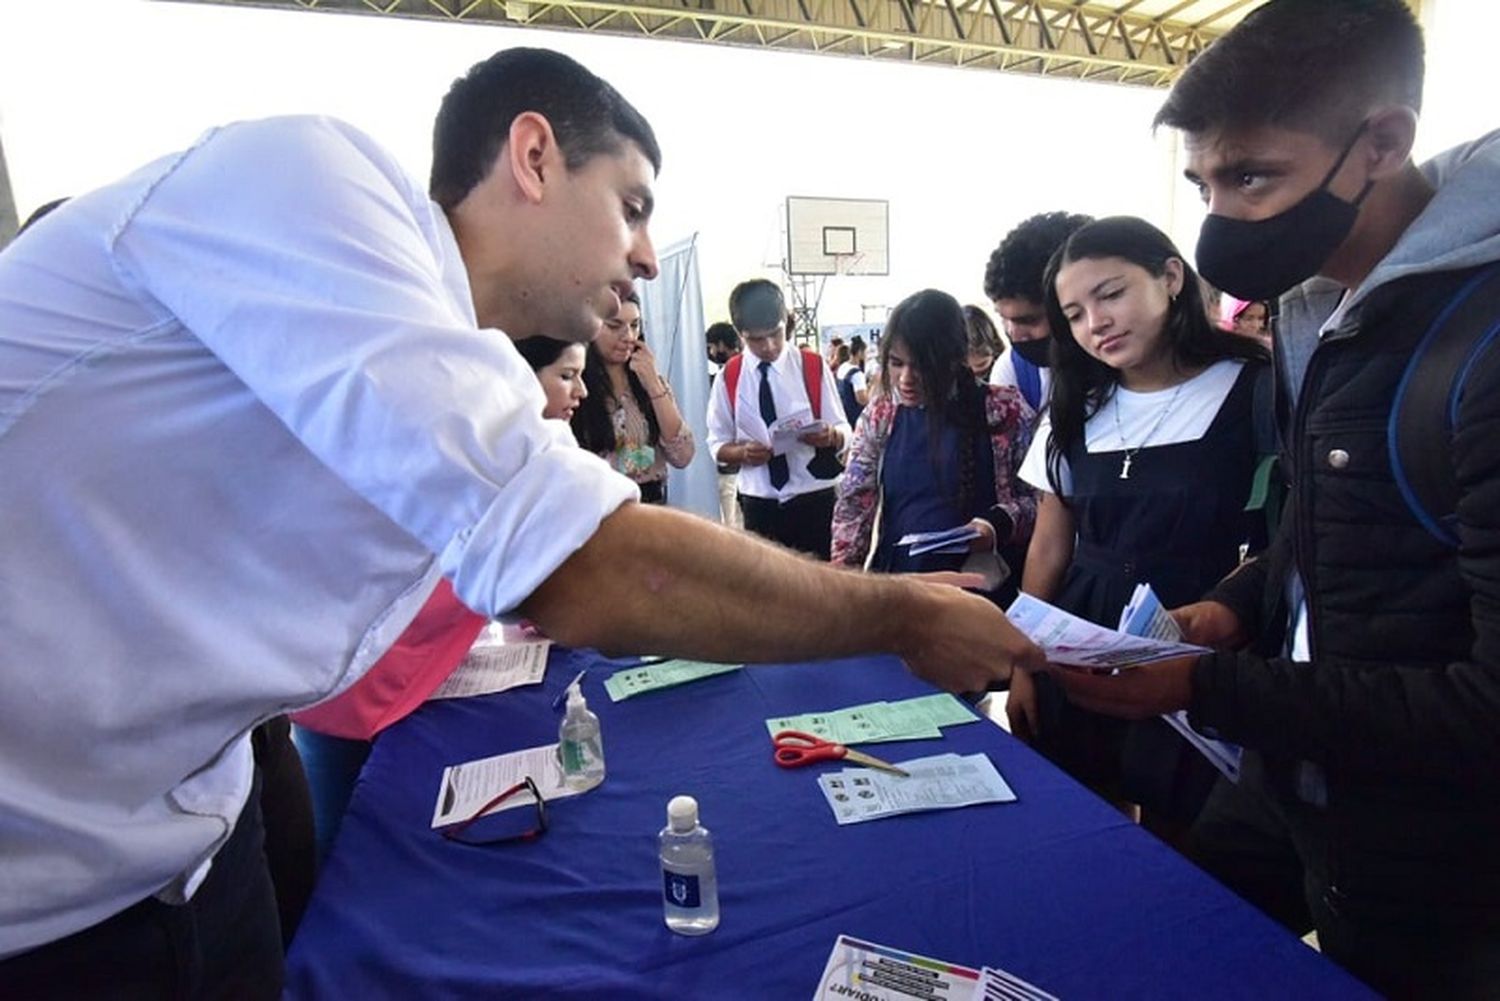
[(672, 315)]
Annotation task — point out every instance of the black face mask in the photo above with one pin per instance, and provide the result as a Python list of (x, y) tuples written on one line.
[(1037, 352), (1260, 260)]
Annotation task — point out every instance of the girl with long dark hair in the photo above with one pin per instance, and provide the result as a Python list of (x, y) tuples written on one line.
[(629, 415), (936, 451), (1144, 457)]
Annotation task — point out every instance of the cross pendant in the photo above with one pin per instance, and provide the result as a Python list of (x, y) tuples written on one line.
[(1125, 468)]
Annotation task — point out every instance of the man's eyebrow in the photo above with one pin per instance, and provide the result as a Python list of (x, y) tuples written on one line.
[(1242, 165)]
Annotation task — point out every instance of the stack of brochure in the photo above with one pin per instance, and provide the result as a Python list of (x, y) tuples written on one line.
[(1144, 616), (950, 540)]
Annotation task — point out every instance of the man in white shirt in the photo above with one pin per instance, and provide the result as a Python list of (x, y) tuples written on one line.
[(778, 415), (252, 411)]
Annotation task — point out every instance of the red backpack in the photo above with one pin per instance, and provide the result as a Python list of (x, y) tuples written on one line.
[(812, 378)]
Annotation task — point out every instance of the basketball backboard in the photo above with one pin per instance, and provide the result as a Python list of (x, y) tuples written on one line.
[(845, 236)]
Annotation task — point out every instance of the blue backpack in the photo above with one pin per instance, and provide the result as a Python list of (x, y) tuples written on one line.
[(1419, 432)]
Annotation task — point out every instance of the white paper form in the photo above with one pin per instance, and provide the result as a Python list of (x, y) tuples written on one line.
[(1145, 616), (491, 667), (864, 970), (467, 787), (788, 430), (939, 782), (1067, 639)]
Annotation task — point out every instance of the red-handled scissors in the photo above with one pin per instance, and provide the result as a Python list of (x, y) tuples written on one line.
[(795, 749)]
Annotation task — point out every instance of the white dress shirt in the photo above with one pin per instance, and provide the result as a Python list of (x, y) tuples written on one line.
[(789, 390), (243, 402)]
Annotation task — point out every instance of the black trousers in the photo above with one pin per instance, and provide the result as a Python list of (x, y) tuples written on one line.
[(804, 523), (223, 943), (1273, 853)]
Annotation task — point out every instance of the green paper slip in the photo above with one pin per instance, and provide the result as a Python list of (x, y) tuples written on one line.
[(636, 680), (877, 722), (942, 709), (871, 723)]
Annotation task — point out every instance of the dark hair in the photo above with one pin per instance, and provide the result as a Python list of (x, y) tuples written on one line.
[(1312, 65), (756, 305), (39, 213), (593, 424), (930, 325), (587, 115), (1015, 268), (723, 333), (1081, 384), (540, 352), (856, 345), (981, 329)]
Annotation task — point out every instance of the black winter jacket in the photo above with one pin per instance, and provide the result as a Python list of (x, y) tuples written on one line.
[(1400, 705)]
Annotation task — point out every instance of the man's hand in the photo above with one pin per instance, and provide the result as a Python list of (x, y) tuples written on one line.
[(1136, 692), (826, 438), (961, 642), (753, 453), (1210, 623), (1021, 707)]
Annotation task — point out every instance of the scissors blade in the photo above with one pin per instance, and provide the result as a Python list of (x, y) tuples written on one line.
[(861, 758)]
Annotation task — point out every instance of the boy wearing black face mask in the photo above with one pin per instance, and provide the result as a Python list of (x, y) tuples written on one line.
[(1013, 283), (1359, 657)]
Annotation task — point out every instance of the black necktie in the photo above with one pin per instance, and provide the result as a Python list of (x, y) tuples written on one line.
[(780, 473)]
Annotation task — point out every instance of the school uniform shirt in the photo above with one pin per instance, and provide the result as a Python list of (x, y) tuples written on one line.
[(1189, 419), (243, 402), (789, 390)]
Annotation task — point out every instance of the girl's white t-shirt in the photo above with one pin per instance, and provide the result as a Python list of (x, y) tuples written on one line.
[(1143, 418)]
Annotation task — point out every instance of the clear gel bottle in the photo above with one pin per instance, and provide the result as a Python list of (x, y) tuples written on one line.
[(579, 745), (690, 889)]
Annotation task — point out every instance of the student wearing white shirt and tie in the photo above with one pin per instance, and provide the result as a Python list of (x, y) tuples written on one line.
[(787, 483)]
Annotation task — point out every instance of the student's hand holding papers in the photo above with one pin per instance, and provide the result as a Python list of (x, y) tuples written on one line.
[(1209, 623), (1145, 690), (755, 454)]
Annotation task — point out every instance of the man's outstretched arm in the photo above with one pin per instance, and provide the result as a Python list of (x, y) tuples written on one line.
[(653, 580)]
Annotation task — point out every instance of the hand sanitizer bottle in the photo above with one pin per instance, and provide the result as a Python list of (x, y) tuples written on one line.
[(579, 745), (690, 887)]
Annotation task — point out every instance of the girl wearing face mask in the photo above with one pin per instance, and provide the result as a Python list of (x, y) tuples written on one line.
[(1145, 459), (559, 368), (935, 451), (629, 416)]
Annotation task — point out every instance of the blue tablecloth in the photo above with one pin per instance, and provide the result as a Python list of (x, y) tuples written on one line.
[(1057, 887)]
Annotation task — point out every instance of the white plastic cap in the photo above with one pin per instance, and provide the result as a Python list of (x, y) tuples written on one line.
[(682, 813), (575, 697)]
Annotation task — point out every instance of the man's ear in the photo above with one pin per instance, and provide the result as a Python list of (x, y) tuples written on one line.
[(1392, 131), (531, 154)]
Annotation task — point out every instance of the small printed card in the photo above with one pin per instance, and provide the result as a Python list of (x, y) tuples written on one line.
[(871, 972), (940, 782)]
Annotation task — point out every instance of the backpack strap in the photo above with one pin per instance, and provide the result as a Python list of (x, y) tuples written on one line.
[(1028, 380), (732, 380), (812, 379), (1419, 433)]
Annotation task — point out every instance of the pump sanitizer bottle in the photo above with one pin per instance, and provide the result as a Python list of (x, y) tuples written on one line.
[(579, 745)]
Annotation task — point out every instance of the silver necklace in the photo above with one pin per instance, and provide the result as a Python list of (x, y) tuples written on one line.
[(1130, 452)]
